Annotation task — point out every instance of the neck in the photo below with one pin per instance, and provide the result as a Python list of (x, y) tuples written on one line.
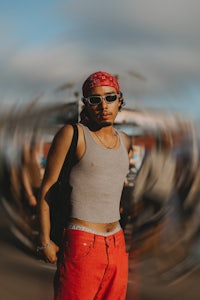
[(97, 127), (108, 138)]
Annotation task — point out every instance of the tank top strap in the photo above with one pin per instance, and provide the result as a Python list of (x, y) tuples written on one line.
[(87, 135), (122, 144)]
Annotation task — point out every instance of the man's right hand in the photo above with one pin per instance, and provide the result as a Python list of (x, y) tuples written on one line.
[(49, 254)]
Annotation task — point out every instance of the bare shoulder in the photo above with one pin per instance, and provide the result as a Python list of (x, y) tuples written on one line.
[(57, 152), (63, 134), (61, 141), (63, 138)]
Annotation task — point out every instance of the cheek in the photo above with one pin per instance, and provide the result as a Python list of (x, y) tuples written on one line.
[(117, 106), (91, 112)]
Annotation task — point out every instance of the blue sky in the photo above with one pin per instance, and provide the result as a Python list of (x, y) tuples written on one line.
[(153, 45), (32, 21)]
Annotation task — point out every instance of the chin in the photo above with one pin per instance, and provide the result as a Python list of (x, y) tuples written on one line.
[(106, 123)]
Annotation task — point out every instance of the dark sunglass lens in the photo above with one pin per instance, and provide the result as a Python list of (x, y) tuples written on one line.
[(95, 100), (111, 98)]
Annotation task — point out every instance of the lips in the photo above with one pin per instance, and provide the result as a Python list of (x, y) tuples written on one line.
[(106, 114)]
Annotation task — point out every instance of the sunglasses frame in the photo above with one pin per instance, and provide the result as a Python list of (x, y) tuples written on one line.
[(87, 99)]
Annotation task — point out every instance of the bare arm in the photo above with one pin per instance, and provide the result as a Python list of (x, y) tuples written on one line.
[(55, 159)]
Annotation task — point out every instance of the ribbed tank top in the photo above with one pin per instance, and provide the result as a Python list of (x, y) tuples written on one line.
[(97, 181)]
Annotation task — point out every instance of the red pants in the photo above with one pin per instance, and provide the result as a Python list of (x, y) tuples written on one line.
[(92, 267)]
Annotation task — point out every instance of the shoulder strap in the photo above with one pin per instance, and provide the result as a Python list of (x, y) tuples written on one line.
[(70, 157)]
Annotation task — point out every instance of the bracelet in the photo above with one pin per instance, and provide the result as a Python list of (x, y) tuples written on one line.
[(44, 247)]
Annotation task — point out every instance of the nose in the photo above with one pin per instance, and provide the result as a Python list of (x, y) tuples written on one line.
[(104, 104)]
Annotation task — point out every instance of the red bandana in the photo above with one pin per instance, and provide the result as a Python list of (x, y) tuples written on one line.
[(99, 79)]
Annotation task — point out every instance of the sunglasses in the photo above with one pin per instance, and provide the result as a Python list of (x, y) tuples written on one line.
[(95, 100)]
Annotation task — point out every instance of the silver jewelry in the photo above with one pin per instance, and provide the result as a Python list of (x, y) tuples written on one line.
[(43, 246), (104, 144)]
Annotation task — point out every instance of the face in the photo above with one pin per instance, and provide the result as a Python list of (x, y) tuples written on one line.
[(103, 113)]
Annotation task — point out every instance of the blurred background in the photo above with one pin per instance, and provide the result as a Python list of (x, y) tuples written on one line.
[(47, 50)]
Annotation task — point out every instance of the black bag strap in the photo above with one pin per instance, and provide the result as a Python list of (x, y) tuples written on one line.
[(70, 157)]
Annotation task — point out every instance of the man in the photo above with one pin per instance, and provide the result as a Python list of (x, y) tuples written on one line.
[(93, 263)]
